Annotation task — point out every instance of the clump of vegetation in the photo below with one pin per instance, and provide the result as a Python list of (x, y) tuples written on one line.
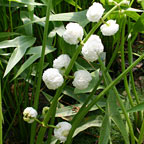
[(71, 71)]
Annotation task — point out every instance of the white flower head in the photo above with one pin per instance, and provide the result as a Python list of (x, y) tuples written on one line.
[(92, 48), (110, 28), (61, 62), (73, 33), (29, 114), (95, 12), (52, 78), (62, 131), (82, 79)]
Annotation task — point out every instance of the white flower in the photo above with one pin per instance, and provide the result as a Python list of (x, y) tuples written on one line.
[(62, 131), (110, 28), (82, 79), (29, 114), (92, 48), (61, 62), (95, 12), (52, 78), (73, 33)]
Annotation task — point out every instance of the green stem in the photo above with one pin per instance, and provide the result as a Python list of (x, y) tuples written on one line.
[(123, 64), (58, 92), (141, 136), (1, 116), (40, 68), (10, 13), (120, 102), (80, 115)]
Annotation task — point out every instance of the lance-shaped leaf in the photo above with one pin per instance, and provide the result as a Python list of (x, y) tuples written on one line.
[(22, 43), (36, 51)]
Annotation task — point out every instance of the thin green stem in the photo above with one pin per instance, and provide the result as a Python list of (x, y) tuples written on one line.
[(141, 136), (58, 92), (40, 67), (123, 63), (10, 14), (1, 116), (120, 102), (80, 115)]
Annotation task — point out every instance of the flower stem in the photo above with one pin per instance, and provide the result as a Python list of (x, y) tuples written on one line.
[(1, 116), (80, 115), (40, 68)]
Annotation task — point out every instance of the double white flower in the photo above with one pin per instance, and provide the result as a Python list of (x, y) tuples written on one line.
[(29, 114), (95, 12), (82, 79), (110, 28), (92, 48), (73, 33), (52, 78), (62, 131), (61, 62)]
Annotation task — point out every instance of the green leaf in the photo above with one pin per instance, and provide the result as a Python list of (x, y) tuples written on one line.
[(24, 15), (73, 3), (68, 110), (139, 107), (105, 130), (139, 26), (8, 34), (91, 121), (116, 117), (22, 43), (36, 54), (78, 17), (28, 2)]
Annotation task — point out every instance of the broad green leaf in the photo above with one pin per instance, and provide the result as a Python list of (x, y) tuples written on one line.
[(79, 17), (68, 110), (116, 117), (105, 130), (139, 25), (22, 43), (24, 15), (33, 58), (91, 121), (27, 2), (138, 107), (8, 34), (69, 91)]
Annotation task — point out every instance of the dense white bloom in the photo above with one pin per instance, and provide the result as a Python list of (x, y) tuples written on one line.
[(61, 62), (72, 33), (29, 114), (92, 48), (52, 78), (95, 12), (62, 131), (82, 79), (110, 28)]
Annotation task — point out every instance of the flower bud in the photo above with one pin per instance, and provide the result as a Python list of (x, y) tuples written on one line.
[(29, 114)]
